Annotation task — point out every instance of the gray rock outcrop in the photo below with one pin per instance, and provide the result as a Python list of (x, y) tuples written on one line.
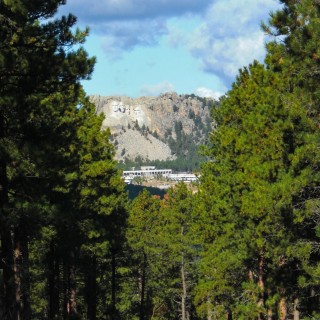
[(141, 126)]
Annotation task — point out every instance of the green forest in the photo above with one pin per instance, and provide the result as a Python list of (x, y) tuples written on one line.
[(245, 246)]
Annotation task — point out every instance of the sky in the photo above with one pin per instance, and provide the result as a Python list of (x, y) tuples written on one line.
[(149, 47)]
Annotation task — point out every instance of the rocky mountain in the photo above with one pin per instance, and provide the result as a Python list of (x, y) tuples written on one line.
[(155, 128)]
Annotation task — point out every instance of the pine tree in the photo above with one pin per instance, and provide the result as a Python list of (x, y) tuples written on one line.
[(34, 65), (178, 249), (163, 263), (85, 227), (260, 162), (102, 201), (144, 219), (296, 57)]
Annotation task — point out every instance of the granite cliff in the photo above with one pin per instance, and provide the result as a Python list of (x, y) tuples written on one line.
[(151, 127)]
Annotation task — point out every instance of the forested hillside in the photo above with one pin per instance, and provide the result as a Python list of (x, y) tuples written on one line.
[(73, 246)]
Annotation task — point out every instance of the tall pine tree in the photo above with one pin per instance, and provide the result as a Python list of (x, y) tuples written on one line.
[(260, 163), (34, 64)]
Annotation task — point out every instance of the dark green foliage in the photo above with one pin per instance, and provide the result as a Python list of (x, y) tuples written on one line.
[(178, 129), (191, 114), (155, 134), (61, 196)]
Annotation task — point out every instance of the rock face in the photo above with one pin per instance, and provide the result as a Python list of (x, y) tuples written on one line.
[(133, 144), (141, 126)]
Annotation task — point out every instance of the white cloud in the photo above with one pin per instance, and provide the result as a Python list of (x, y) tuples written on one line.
[(156, 89), (227, 37), (124, 24), (228, 55), (176, 36), (207, 93), (230, 37), (118, 37)]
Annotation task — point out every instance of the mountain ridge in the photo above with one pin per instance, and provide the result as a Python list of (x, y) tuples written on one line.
[(155, 128)]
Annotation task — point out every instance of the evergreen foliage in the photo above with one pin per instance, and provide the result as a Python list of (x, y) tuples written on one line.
[(259, 192), (163, 265), (61, 197), (245, 246)]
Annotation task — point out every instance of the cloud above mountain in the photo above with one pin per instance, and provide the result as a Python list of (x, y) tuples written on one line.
[(125, 24), (229, 37), (121, 36), (221, 35), (156, 89), (207, 93)]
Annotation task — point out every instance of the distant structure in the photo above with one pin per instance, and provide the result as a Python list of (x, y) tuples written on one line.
[(186, 177), (145, 172), (151, 171)]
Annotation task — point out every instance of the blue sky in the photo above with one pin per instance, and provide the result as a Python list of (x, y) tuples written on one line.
[(148, 47)]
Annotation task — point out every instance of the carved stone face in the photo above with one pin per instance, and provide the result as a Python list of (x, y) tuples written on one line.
[(115, 106)]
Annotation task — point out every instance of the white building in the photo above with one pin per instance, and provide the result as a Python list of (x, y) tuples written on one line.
[(146, 172), (151, 171), (186, 177)]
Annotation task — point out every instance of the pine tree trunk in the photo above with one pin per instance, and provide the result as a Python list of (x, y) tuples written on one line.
[(16, 281), (65, 290), (91, 288), (70, 293), (283, 307), (261, 282), (73, 295), (184, 309), (229, 317), (17, 265), (3, 172), (209, 315), (21, 266), (269, 311), (296, 313), (9, 298), (8, 285), (184, 292), (26, 280), (53, 282), (113, 284), (209, 310), (142, 284)]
